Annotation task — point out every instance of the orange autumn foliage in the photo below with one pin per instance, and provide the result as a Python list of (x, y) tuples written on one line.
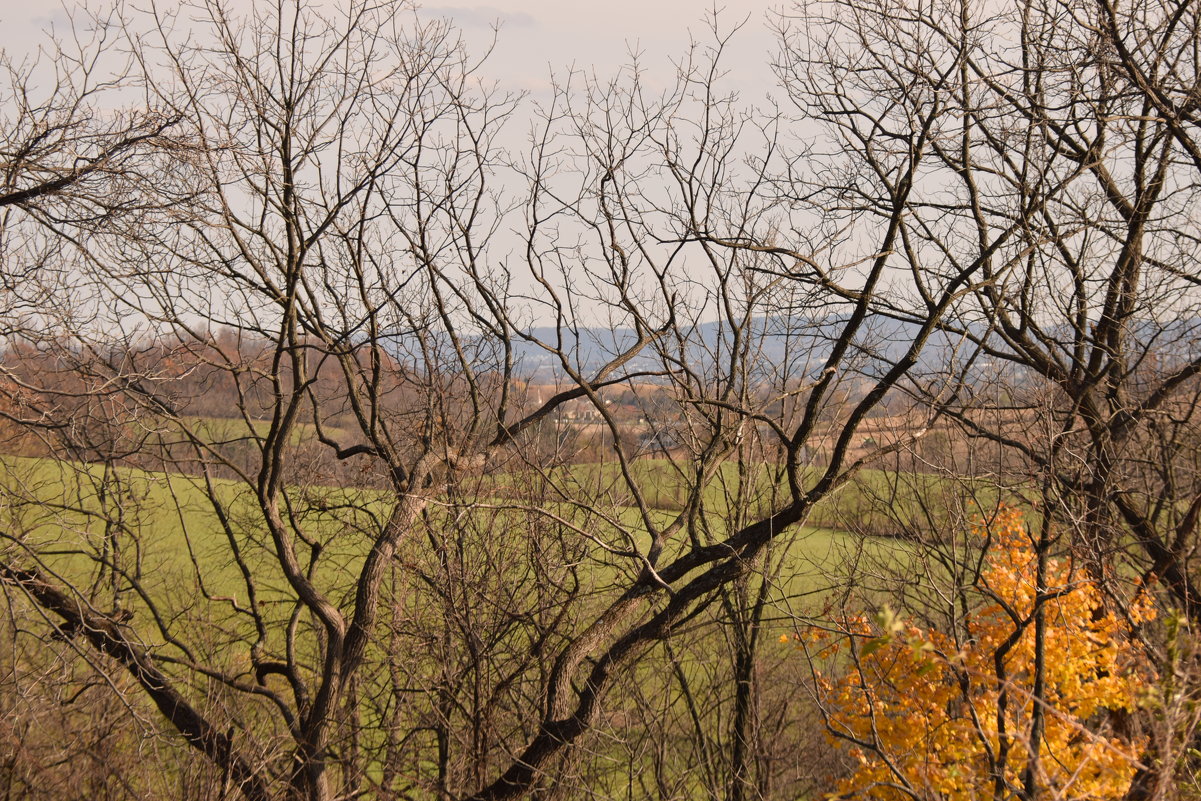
[(926, 703)]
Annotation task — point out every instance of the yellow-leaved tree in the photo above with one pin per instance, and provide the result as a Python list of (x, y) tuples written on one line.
[(930, 714)]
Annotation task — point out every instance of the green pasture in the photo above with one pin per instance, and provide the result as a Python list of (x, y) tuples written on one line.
[(166, 534), (874, 502), (176, 532), (175, 538), (185, 543)]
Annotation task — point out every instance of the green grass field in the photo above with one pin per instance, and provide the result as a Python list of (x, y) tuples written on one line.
[(873, 502), (164, 530)]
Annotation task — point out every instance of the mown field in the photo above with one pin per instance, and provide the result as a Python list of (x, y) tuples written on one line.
[(176, 534), (173, 537)]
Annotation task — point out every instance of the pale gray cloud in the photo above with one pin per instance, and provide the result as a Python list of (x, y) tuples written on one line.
[(26, 24), (481, 16)]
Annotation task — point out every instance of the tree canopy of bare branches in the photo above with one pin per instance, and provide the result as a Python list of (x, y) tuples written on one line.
[(365, 439)]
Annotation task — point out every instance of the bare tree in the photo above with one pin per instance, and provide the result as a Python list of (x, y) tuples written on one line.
[(1068, 175), (72, 154), (451, 616)]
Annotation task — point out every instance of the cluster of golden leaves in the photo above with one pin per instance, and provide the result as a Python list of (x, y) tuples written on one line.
[(928, 704)]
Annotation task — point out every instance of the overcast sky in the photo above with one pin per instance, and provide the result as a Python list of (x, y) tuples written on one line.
[(536, 35)]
